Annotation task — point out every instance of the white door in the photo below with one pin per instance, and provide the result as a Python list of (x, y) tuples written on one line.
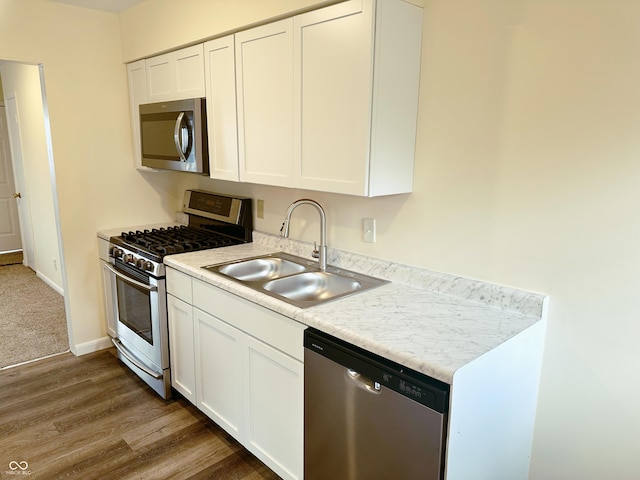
[(13, 122), (9, 224)]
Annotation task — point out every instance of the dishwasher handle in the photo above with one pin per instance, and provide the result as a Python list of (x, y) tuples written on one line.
[(428, 391), (363, 382)]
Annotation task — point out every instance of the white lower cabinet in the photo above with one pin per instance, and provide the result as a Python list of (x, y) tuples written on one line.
[(219, 358), (247, 367), (274, 415), (183, 373)]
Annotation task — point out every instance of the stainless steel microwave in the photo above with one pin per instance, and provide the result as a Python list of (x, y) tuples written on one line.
[(173, 135)]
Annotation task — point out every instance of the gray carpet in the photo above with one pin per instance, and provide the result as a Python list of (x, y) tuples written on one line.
[(32, 318)]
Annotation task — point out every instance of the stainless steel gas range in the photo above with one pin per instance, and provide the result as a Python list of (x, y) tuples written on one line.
[(138, 274)]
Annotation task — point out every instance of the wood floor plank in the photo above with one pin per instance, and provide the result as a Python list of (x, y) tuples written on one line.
[(52, 374), (241, 465), (194, 446), (151, 432), (90, 417), (62, 462)]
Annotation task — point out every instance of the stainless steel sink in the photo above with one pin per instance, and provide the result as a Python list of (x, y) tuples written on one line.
[(311, 286), (261, 269), (295, 280)]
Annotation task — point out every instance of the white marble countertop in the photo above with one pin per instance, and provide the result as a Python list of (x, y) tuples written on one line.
[(431, 322)]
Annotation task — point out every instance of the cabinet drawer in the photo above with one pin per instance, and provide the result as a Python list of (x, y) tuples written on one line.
[(179, 285), (272, 328)]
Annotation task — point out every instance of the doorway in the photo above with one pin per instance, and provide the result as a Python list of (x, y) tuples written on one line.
[(23, 91)]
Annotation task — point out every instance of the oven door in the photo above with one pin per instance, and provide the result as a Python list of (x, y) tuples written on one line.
[(141, 317)]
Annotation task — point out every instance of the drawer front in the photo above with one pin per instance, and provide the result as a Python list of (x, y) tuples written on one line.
[(179, 285), (272, 328)]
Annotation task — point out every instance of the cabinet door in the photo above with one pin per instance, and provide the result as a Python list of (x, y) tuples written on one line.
[(219, 61), (137, 75), (275, 416), (357, 67), (181, 335), (219, 365), (176, 75), (264, 78), (333, 67)]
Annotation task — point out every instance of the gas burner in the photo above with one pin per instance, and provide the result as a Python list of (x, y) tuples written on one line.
[(171, 240), (214, 221)]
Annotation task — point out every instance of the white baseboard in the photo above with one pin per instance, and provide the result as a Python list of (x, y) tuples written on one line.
[(50, 282), (92, 346)]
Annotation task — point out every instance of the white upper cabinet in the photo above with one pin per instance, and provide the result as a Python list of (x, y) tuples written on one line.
[(326, 100), (264, 85), (137, 75), (176, 75), (357, 68), (219, 65), (172, 76)]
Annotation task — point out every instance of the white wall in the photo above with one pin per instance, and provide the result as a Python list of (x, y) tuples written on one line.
[(527, 175), (145, 30), (23, 81)]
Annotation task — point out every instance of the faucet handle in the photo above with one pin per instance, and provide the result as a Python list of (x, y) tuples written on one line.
[(316, 252)]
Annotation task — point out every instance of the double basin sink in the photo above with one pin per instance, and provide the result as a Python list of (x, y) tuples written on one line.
[(294, 279)]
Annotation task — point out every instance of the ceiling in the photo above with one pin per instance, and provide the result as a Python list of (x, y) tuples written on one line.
[(106, 5)]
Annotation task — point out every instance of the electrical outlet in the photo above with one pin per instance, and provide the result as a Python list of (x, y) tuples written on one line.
[(55, 264), (369, 230), (260, 212)]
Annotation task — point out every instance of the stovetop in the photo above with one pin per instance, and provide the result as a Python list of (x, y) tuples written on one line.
[(154, 244), (215, 220)]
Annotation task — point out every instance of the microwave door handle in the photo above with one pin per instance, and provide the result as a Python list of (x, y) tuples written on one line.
[(176, 136)]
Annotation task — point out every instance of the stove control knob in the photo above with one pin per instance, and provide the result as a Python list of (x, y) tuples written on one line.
[(148, 266), (140, 263), (128, 258)]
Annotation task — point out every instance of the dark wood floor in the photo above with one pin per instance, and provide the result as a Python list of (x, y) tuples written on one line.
[(89, 417)]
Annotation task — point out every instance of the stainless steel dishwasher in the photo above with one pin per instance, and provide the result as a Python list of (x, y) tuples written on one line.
[(367, 418)]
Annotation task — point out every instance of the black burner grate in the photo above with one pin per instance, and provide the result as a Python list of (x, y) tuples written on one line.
[(178, 239)]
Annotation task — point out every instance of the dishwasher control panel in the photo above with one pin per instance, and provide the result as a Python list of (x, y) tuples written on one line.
[(376, 369)]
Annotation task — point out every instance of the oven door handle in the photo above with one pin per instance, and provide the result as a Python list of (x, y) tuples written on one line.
[(121, 348), (148, 288)]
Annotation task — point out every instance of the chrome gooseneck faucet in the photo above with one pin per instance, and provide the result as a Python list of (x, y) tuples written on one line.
[(321, 252)]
